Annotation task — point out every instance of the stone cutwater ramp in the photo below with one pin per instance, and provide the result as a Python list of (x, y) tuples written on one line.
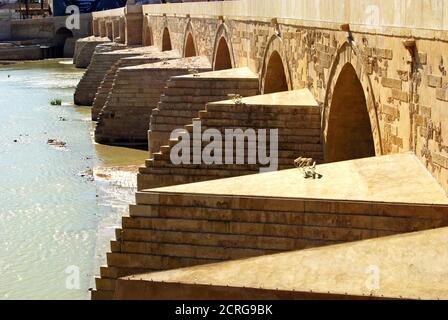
[(383, 268), (104, 91), (125, 118), (186, 95), (207, 222), (100, 64), (295, 114), (85, 47)]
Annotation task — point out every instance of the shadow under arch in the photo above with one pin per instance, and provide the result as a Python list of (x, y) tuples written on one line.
[(61, 36), (223, 57), (349, 134), (148, 39), (349, 90), (190, 48), (166, 40), (275, 72), (275, 78)]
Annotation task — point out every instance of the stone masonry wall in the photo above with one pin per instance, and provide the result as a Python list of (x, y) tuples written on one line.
[(406, 96), (84, 49), (406, 88)]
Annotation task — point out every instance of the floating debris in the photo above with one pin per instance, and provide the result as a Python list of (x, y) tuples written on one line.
[(56, 143), (88, 173)]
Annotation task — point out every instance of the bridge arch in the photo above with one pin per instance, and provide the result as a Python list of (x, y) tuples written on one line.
[(148, 39), (190, 48), (166, 40), (275, 72), (62, 34), (350, 121), (223, 57)]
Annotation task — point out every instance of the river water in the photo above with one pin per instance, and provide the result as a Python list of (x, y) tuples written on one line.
[(55, 218)]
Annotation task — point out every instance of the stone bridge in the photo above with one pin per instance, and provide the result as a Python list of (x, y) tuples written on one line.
[(341, 80), (33, 33)]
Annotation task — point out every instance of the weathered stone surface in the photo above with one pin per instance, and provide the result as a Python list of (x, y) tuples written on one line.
[(317, 274), (434, 81), (294, 114), (400, 91), (442, 94), (400, 95), (125, 117), (105, 89), (391, 83), (241, 217), (185, 96), (101, 62)]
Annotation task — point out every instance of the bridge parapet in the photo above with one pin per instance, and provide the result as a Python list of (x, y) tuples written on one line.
[(377, 15)]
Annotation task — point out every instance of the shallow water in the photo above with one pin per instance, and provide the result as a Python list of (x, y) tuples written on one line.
[(50, 215)]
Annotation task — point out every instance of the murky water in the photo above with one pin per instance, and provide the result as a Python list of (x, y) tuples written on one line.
[(52, 218)]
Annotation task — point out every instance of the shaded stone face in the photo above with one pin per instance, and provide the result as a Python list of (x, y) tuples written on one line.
[(222, 59), (375, 269), (275, 75), (95, 27), (133, 29), (102, 60), (349, 132)]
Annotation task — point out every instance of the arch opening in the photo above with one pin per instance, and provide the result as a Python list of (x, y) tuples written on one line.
[(275, 79), (62, 35), (223, 60), (190, 49), (166, 40), (60, 38), (148, 39), (349, 134)]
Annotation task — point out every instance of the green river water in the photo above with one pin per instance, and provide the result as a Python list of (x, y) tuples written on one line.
[(53, 220)]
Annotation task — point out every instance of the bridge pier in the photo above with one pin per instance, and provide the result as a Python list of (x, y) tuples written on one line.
[(116, 29), (106, 90), (122, 30), (102, 28), (134, 25), (99, 66), (95, 27), (120, 115)]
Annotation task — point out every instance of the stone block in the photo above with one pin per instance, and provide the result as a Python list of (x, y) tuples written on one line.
[(434, 81), (391, 83), (400, 95), (384, 53), (442, 94), (423, 58)]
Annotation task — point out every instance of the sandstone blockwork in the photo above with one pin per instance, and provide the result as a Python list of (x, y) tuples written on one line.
[(148, 39), (367, 94), (399, 97)]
